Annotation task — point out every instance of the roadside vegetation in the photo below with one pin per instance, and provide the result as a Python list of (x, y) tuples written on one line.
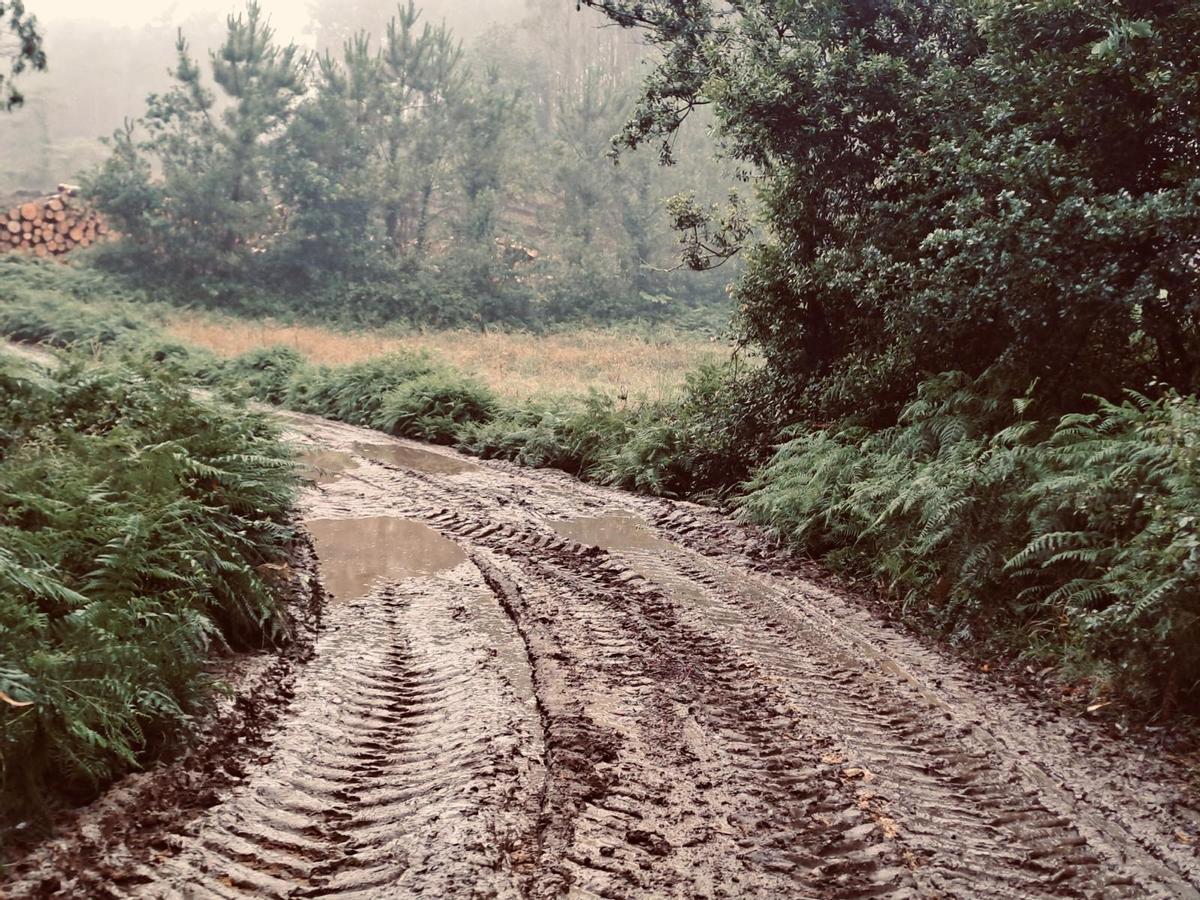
[(968, 276), (137, 529), (974, 283), (1070, 539)]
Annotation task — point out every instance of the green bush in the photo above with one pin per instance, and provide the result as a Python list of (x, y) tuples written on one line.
[(1114, 539), (354, 393), (574, 436), (50, 303), (1075, 539), (39, 317), (945, 186), (701, 445), (190, 364), (433, 406), (20, 273), (133, 522), (265, 374)]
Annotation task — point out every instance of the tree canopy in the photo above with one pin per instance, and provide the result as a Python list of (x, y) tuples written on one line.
[(401, 176), (983, 186)]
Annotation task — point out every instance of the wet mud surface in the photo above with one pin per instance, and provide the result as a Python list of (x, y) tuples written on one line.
[(527, 687), (360, 554)]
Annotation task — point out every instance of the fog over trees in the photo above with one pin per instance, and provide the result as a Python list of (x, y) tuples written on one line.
[(104, 63), (458, 144)]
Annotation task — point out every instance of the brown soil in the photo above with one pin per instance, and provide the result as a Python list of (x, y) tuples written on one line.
[(528, 687)]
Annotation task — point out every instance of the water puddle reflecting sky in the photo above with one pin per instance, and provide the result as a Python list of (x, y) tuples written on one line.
[(324, 466), (414, 458), (619, 531), (357, 554)]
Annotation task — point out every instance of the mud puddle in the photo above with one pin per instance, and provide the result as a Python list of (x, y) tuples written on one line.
[(414, 458), (357, 554), (616, 531), (324, 466)]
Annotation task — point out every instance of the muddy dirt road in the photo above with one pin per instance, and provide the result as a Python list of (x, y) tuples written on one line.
[(528, 687)]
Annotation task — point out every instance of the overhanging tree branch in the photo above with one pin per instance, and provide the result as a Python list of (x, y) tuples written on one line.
[(27, 54)]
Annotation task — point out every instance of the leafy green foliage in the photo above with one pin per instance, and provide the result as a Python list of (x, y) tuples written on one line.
[(133, 522), (355, 393), (1115, 541), (265, 374), (37, 318), (82, 309), (433, 406), (950, 187), (28, 53), (45, 303), (1078, 537), (572, 437), (699, 446)]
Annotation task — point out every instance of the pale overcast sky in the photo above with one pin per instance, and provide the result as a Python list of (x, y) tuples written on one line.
[(290, 17)]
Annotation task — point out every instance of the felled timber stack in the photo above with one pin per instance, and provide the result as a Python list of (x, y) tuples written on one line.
[(51, 226)]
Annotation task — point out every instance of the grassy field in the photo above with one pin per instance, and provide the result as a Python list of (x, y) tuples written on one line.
[(515, 365)]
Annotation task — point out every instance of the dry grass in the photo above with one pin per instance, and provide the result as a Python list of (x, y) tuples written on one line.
[(515, 365)]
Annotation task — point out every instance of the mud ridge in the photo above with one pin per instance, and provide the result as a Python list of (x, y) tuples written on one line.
[(972, 831), (672, 767), (398, 771), (1106, 783)]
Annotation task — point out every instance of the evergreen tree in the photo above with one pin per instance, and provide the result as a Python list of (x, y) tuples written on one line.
[(213, 205), (262, 80), (324, 168), (421, 69)]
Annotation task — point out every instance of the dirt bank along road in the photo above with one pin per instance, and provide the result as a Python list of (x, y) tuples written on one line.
[(528, 687)]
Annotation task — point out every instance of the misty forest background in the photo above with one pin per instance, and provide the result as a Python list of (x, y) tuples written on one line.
[(396, 171)]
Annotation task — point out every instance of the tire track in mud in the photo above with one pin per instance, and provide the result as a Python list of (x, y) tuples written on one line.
[(690, 786), (408, 765), (966, 827), (648, 718), (1115, 801), (969, 821), (979, 831)]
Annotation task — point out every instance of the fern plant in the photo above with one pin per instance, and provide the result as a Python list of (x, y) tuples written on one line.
[(432, 407), (134, 520), (1076, 538), (1115, 540)]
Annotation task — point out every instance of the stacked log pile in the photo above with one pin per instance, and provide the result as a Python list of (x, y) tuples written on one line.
[(51, 226)]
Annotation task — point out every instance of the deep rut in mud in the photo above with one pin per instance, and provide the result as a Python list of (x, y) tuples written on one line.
[(528, 687)]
